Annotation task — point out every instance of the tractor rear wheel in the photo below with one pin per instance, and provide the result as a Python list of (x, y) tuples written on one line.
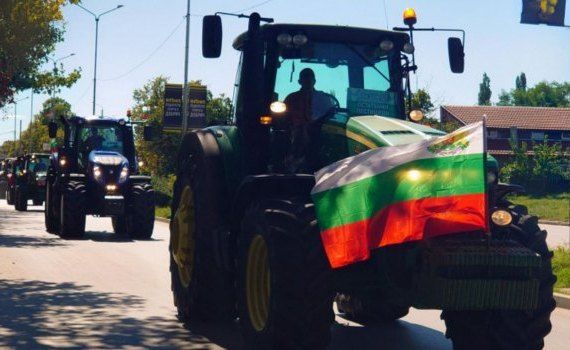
[(72, 210), (50, 215), (369, 308), (21, 198), (202, 288), (284, 290), (510, 329), (140, 219)]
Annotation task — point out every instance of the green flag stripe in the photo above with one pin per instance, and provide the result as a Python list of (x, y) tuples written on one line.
[(434, 177)]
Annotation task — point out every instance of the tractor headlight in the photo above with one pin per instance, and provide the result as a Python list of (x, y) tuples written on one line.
[(124, 174), (62, 162), (97, 172), (501, 217)]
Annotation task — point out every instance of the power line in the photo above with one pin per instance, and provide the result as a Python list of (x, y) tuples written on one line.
[(255, 6), (150, 55)]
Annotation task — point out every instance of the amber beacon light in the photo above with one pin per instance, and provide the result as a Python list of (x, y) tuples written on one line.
[(410, 16)]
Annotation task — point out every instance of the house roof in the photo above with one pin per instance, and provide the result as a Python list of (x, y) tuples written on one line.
[(504, 117)]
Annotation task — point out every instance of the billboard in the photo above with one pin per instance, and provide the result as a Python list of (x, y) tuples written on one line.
[(172, 118), (549, 12)]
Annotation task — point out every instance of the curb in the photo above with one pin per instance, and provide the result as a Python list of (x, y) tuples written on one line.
[(562, 300), (159, 219), (552, 222)]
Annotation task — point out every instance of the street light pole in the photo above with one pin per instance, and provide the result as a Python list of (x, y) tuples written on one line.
[(185, 87), (97, 17)]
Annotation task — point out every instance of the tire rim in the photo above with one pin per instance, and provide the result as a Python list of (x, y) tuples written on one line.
[(182, 237), (258, 283)]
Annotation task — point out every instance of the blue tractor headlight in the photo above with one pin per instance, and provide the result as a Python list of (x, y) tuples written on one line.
[(124, 174)]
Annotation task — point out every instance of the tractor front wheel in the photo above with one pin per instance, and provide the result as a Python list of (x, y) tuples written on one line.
[(10, 195), (504, 330), (72, 210), (140, 221), (284, 288), (21, 198)]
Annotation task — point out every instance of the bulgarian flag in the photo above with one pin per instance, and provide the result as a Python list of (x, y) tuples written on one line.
[(404, 193)]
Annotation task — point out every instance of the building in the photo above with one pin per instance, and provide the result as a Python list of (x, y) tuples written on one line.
[(519, 123)]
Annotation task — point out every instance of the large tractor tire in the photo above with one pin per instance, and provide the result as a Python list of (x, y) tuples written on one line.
[(284, 278), (21, 198), (10, 195), (72, 210), (369, 308), (140, 219), (202, 289), (503, 330), (51, 216), (119, 225)]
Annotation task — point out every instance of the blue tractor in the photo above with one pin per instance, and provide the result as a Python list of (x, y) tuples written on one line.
[(95, 172)]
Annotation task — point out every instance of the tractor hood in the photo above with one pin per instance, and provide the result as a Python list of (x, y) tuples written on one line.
[(383, 131)]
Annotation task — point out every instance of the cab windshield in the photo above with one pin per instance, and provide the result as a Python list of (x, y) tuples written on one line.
[(357, 78), (38, 164), (100, 138)]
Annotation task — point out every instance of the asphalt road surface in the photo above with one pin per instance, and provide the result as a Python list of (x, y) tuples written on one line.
[(108, 293)]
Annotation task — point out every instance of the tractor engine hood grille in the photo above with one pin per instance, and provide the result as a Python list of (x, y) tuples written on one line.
[(107, 158)]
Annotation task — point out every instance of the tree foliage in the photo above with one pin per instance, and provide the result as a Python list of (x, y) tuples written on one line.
[(158, 155), (421, 100), (485, 91), (547, 171), (543, 94), (36, 134), (29, 30)]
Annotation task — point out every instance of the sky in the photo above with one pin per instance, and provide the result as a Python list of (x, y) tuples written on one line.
[(145, 38)]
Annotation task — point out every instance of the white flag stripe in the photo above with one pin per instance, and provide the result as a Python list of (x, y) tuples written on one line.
[(379, 160)]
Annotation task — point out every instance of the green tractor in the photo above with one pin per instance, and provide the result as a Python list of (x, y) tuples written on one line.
[(245, 242)]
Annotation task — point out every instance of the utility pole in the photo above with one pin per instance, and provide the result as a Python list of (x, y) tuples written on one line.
[(16, 117), (97, 17), (185, 87)]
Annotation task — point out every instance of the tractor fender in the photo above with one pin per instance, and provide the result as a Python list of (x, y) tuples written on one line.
[(200, 143), (255, 187), (139, 179)]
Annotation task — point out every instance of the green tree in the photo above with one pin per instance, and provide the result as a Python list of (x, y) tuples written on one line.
[(29, 30), (485, 91), (158, 155), (520, 82), (543, 94), (421, 100)]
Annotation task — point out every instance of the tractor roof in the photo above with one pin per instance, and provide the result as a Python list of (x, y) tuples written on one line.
[(328, 33), (96, 119)]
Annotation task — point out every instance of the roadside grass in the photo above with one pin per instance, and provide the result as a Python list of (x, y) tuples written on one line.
[(554, 207), (163, 212), (561, 268)]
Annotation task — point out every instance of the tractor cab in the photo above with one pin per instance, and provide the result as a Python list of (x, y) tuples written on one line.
[(357, 98)]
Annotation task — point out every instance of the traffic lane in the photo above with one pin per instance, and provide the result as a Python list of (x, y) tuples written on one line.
[(109, 292), (558, 235)]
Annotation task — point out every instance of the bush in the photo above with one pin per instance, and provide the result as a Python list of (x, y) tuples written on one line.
[(561, 267), (163, 186)]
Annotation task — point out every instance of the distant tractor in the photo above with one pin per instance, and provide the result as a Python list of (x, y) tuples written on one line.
[(31, 181), (4, 171), (95, 172), (14, 167), (245, 241)]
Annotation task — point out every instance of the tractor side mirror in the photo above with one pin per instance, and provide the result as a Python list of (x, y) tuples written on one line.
[(148, 133), (212, 36), (52, 129), (456, 55)]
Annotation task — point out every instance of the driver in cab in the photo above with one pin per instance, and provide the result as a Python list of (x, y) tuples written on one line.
[(304, 107)]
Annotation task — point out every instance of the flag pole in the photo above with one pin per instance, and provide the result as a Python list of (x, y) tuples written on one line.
[(485, 184)]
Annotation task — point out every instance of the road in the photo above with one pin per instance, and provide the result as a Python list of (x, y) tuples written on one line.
[(110, 293)]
